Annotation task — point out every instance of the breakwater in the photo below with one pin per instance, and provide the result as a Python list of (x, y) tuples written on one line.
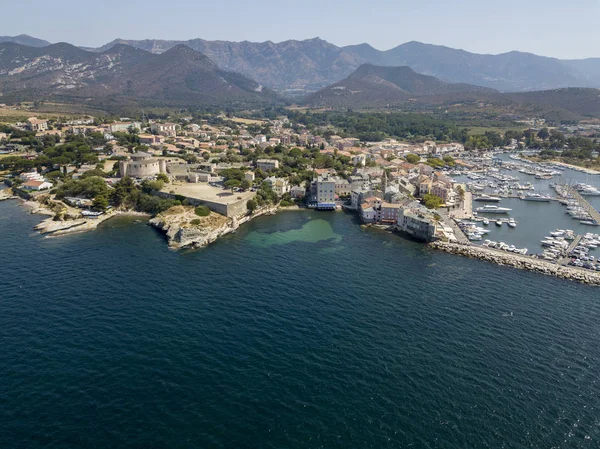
[(519, 261)]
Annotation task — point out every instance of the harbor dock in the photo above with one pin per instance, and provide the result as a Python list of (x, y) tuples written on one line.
[(584, 203)]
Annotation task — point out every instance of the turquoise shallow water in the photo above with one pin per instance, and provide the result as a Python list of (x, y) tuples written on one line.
[(302, 330)]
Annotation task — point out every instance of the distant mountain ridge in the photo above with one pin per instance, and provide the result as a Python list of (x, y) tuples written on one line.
[(25, 39), (123, 75), (309, 65), (314, 63), (381, 86)]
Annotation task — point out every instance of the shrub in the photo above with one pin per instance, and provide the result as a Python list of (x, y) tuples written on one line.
[(196, 222), (202, 211)]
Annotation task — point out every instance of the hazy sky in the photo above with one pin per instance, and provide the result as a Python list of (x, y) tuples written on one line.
[(551, 27)]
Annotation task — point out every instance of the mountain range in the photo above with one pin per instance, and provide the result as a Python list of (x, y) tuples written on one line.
[(308, 65), (124, 75), (311, 64), (379, 86)]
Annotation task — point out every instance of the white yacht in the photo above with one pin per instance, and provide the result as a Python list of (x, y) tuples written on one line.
[(512, 223), (491, 209), (536, 197), (487, 199)]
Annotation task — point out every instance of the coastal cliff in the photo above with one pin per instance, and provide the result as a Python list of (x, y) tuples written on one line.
[(185, 229), (519, 261)]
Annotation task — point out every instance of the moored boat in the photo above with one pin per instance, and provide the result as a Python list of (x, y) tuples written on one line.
[(491, 209)]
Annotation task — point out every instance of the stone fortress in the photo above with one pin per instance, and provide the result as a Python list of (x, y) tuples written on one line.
[(142, 165)]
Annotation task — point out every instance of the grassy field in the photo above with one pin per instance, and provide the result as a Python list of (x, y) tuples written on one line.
[(2, 156), (44, 111), (247, 121)]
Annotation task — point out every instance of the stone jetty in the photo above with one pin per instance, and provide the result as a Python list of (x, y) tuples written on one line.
[(519, 261)]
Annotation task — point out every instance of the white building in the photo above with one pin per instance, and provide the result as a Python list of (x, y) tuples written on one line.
[(279, 185), (164, 129), (325, 192), (35, 124), (37, 185), (123, 127), (31, 176)]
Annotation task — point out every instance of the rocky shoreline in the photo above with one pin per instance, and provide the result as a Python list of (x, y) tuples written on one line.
[(521, 262), (184, 229), (71, 221), (6, 194)]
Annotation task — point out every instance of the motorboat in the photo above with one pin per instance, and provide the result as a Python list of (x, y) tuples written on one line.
[(486, 222), (498, 223), (487, 199), (492, 209), (589, 223), (512, 223), (536, 197)]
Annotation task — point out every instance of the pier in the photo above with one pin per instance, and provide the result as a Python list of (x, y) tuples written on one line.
[(586, 205), (528, 263), (565, 260)]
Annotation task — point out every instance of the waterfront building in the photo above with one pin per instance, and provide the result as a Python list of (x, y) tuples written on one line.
[(342, 187), (367, 213), (297, 191), (387, 213), (417, 221), (369, 209), (324, 192), (142, 165)]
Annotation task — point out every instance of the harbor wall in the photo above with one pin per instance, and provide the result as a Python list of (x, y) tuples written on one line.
[(519, 261)]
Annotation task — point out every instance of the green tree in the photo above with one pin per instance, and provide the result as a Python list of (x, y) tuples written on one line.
[(432, 201), (202, 211), (100, 203), (162, 177), (232, 184), (412, 158), (252, 205), (543, 133)]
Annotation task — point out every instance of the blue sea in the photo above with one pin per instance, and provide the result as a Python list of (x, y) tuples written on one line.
[(302, 330)]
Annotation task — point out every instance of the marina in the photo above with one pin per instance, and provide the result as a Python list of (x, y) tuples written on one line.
[(540, 210)]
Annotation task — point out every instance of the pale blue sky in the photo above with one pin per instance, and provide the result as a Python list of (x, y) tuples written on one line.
[(551, 28)]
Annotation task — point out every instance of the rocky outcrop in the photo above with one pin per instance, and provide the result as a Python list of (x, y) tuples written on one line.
[(6, 194), (518, 261), (185, 229)]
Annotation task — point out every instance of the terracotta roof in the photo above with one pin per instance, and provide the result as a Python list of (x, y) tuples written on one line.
[(34, 183)]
